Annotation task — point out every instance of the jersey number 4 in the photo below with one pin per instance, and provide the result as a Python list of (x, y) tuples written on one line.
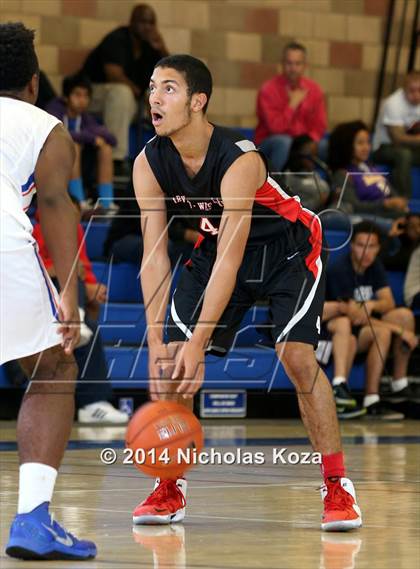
[(206, 225)]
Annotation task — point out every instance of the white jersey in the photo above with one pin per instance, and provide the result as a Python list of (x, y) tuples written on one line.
[(28, 299), (23, 131)]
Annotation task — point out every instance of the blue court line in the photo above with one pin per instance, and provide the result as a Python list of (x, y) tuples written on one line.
[(291, 441)]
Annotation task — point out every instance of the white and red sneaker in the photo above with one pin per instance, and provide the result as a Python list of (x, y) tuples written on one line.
[(341, 512), (165, 505)]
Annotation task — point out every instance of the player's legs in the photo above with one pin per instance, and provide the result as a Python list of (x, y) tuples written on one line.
[(166, 504), (43, 429), (315, 396), (49, 400), (296, 292)]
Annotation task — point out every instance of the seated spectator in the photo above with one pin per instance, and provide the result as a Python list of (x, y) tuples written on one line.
[(358, 285), (289, 105), (92, 399), (396, 141), (300, 174), (344, 349), (405, 239), (120, 68), (361, 187), (412, 281), (85, 131)]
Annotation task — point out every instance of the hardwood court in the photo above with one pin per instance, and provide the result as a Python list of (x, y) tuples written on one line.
[(238, 516)]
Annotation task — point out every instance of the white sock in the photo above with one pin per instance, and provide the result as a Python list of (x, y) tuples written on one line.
[(338, 379), (399, 384), (370, 400), (36, 485)]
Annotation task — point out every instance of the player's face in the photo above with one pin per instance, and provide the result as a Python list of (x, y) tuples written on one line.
[(365, 249), (78, 100), (361, 146), (169, 101), (294, 64), (412, 91)]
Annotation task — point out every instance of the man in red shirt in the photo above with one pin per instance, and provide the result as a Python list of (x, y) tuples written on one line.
[(289, 105)]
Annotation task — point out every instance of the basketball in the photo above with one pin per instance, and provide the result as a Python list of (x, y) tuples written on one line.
[(164, 436)]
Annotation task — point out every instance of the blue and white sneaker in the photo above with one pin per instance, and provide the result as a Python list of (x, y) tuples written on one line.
[(36, 535)]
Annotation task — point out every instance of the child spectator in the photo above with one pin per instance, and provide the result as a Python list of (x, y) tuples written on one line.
[(363, 188), (300, 174), (85, 131)]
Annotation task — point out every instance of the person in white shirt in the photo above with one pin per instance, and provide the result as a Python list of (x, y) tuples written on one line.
[(396, 141), (37, 326)]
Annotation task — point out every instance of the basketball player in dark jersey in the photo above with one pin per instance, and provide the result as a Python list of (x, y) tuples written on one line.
[(256, 243)]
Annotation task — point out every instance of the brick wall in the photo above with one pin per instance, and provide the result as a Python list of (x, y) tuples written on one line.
[(240, 40)]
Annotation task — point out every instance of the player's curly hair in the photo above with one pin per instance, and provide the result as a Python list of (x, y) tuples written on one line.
[(18, 60)]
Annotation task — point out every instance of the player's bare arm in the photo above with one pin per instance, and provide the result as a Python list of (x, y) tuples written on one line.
[(238, 189), (59, 223), (155, 271)]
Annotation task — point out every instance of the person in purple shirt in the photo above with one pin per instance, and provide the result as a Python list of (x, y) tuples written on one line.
[(85, 131), (363, 187)]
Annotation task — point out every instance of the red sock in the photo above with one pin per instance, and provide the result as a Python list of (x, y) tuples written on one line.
[(333, 465)]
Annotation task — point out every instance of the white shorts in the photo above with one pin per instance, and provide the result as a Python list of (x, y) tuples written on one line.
[(28, 304)]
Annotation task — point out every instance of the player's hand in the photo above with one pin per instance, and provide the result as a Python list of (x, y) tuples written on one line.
[(410, 338), (158, 364), (190, 366), (69, 328)]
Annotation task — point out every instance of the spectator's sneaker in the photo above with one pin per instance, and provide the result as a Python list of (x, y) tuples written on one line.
[(341, 512), (101, 412), (165, 505), (380, 411), (37, 536), (356, 413), (395, 397), (343, 397)]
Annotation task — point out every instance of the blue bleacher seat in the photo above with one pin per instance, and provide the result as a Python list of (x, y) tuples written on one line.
[(338, 243), (415, 179), (122, 281), (4, 381), (414, 206), (396, 282), (95, 235)]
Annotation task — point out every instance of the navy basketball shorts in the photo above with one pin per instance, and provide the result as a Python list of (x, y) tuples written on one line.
[(290, 278)]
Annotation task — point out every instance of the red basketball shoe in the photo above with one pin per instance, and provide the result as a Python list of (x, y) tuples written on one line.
[(341, 512), (165, 505)]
